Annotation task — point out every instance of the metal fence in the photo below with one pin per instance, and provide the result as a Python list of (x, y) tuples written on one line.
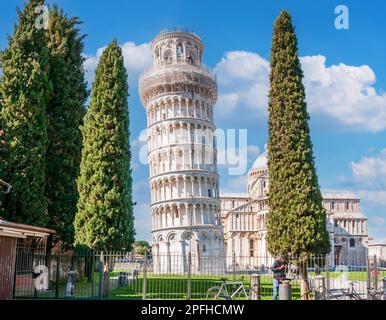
[(123, 275)]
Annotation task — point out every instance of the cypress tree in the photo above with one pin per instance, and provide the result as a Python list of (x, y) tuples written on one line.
[(24, 90), (104, 220), (297, 219), (3, 157), (65, 113)]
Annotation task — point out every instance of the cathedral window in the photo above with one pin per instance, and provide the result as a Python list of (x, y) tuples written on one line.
[(188, 236), (352, 243), (168, 56), (203, 248), (332, 205), (196, 54), (189, 58), (251, 251), (180, 50)]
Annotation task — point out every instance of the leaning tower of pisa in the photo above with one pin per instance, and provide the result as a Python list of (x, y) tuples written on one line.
[(179, 95)]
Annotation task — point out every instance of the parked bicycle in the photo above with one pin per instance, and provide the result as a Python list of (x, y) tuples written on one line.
[(223, 293), (374, 294), (346, 293)]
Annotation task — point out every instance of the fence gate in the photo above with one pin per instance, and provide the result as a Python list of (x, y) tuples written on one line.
[(31, 271)]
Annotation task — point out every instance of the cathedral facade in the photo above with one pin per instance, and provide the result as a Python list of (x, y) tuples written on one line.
[(244, 219)]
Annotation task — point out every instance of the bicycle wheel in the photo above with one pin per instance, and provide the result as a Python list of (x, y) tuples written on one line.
[(377, 296), (320, 293), (241, 295), (216, 293)]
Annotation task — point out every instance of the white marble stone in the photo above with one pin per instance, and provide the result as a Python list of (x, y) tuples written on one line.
[(179, 95)]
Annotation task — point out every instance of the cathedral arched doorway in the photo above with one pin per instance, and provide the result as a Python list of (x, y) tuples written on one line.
[(337, 252)]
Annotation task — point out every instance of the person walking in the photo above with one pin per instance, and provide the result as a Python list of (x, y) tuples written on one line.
[(279, 269)]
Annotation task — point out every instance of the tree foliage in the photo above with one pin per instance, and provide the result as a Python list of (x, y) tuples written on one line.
[(141, 247), (65, 113), (3, 157), (25, 89), (104, 220), (297, 219)]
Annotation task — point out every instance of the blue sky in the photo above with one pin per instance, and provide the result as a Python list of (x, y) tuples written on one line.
[(345, 80)]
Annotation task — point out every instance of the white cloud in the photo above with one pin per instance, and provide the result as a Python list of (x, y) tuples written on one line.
[(345, 93), (378, 220), (370, 171), (375, 197), (243, 83), (341, 92), (227, 102), (368, 179), (141, 186), (137, 58), (139, 149), (234, 185)]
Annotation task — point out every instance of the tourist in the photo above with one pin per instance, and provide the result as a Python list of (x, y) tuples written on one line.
[(279, 269)]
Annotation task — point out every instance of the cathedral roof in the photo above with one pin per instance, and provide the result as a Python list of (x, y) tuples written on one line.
[(234, 195), (339, 195), (348, 215)]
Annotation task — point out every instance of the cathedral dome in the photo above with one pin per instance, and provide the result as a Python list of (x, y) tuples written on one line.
[(262, 160)]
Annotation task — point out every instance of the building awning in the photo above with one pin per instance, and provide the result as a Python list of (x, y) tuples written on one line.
[(18, 230)]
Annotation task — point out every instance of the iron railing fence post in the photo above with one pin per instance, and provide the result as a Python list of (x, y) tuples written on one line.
[(92, 254), (368, 278), (100, 270), (320, 287), (255, 289), (189, 280), (375, 272), (15, 274), (57, 277), (144, 280), (234, 267), (328, 276)]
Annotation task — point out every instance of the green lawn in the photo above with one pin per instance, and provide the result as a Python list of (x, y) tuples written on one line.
[(176, 287), (352, 275)]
